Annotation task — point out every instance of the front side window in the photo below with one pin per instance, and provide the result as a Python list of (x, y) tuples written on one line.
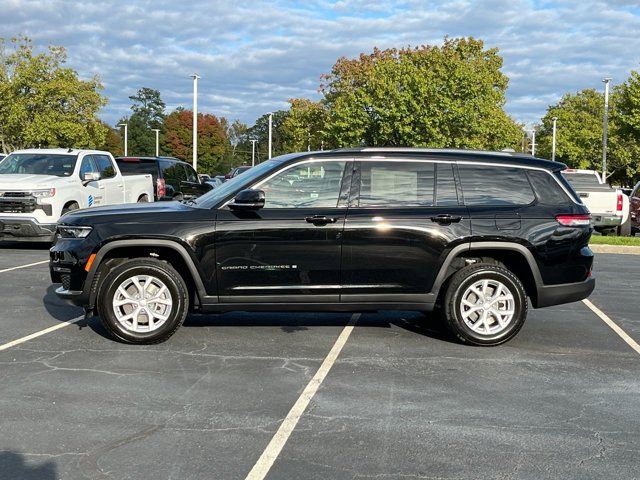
[(39, 164), (396, 184), (105, 166), (173, 171), (87, 166), (191, 174), (307, 185), (489, 185)]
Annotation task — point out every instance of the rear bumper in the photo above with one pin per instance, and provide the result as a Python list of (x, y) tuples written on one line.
[(564, 293), (25, 229), (605, 220)]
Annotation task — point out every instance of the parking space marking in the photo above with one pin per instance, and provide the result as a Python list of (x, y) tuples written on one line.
[(40, 333), (614, 326), (271, 453), (24, 266)]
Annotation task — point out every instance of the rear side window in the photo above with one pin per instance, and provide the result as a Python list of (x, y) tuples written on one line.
[(141, 167), (445, 185), (547, 189), (396, 184), (105, 166), (488, 185)]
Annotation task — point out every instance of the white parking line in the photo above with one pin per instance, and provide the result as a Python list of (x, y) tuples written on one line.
[(24, 266), (40, 333), (271, 453), (614, 326)]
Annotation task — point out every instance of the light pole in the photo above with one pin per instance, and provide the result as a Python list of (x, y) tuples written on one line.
[(195, 77), (606, 81), (253, 153), (157, 130), (125, 137), (533, 142), (553, 142), (270, 129)]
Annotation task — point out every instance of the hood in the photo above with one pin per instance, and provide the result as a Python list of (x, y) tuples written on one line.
[(26, 181), (128, 212)]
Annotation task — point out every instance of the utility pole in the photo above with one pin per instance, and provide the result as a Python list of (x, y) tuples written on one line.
[(125, 137), (157, 130), (253, 153), (553, 144), (270, 131), (195, 77), (606, 81)]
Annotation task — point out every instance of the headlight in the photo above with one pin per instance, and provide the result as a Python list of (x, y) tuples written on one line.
[(44, 193), (73, 232)]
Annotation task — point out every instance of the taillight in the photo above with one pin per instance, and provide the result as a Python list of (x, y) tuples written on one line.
[(574, 220), (161, 188), (619, 203)]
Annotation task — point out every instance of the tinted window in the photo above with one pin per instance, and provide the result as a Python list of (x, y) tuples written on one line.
[(192, 176), (105, 166), (445, 185), (141, 167), (87, 166), (396, 184), (487, 185), (173, 171), (582, 181), (311, 184), (547, 189)]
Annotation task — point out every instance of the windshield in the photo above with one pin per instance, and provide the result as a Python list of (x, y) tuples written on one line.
[(582, 180), (215, 196), (39, 164)]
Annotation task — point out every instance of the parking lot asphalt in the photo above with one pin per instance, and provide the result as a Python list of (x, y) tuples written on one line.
[(401, 401)]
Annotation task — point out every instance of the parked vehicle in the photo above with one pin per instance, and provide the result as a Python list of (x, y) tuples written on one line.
[(173, 179), (38, 186), (634, 202), (2, 156), (215, 182), (236, 171), (359, 230), (609, 206)]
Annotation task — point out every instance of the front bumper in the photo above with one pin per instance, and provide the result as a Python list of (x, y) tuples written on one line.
[(26, 229), (564, 293)]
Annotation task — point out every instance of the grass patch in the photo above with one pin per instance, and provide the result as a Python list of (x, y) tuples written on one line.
[(600, 240)]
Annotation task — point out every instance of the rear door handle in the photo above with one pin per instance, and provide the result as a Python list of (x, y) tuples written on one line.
[(320, 220), (446, 219)]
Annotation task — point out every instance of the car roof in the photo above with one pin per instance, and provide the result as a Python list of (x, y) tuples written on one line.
[(133, 158), (59, 151), (480, 156)]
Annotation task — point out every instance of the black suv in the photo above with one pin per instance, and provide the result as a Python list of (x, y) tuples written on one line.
[(173, 179), (475, 233)]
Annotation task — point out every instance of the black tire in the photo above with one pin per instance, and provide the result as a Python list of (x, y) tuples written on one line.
[(143, 266), (456, 288), (143, 199), (70, 207)]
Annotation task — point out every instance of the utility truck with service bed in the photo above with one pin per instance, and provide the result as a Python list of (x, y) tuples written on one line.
[(609, 206), (38, 186)]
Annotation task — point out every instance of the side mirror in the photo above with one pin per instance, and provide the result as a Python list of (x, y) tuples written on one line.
[(90, 177), (248, 200)]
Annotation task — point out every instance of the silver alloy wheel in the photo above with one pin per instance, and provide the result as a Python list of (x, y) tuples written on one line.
[(487, 307), (142, 303)]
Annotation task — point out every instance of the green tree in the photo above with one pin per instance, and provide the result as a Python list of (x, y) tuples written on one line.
[(260, 132), (303, 128), (43, 103), (113, 142), (438, 96), (148, 113), (213, 143)]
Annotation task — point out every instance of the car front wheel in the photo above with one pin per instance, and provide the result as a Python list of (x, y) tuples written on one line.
[(485, 304), (143, 301)]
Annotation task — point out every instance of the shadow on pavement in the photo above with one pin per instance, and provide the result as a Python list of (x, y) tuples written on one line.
[(13, 466), (57, 308)]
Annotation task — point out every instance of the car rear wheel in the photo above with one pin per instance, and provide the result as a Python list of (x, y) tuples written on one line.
[(485, 304), (143, 301)]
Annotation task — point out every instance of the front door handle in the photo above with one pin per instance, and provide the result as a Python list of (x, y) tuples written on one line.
[(446, 219), (320, 220)]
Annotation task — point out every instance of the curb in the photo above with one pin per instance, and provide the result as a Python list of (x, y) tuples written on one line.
[(621, 249)]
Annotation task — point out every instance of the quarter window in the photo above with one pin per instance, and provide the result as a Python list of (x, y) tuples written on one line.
[(487, 185), (396, 184), (310, 184)]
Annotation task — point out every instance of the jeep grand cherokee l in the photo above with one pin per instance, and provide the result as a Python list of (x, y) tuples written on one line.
[(477, 233)]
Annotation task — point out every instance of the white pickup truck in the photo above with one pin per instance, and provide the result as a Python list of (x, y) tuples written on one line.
[(38, 186), (609, 206)]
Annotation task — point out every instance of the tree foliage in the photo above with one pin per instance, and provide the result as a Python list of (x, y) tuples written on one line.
[(438, 96), (43, 103), (148, 113), (303, 128)]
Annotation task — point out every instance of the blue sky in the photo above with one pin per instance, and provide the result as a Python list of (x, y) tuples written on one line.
[(253, 56)]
